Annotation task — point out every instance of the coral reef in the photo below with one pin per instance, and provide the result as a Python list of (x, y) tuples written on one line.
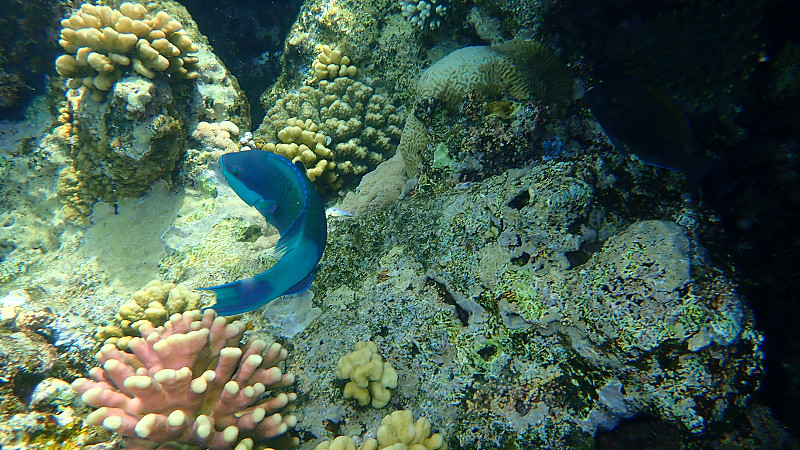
[(397, 430), (469, 81), (531, 287), (135, 133), (102, 43), (120, 145), (487, 138), (41, 348), (191, 382), (506, 317), (370, 377), (362, 127)]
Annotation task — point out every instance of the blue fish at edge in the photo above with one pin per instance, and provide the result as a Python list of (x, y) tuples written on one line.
[(283, 194)]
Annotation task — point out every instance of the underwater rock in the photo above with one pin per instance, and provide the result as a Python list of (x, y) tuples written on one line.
[(471, 295), (27, 358)]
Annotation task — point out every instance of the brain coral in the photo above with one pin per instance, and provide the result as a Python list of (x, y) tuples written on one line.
[(360, 127), (102, 43), (478, 68), (525, 68)]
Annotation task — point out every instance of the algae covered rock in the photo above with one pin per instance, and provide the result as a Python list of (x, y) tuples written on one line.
[(122, 144)]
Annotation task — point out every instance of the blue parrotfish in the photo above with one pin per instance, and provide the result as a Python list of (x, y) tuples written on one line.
[(283, 194)]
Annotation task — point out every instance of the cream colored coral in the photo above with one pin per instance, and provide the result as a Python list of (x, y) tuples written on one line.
[(103, 42), (371, 378), (220, 136), (347, 443), (480, 68), (302, 141), (362, 128), (397, 431), (331, 63), (151, 305), (399, 428)]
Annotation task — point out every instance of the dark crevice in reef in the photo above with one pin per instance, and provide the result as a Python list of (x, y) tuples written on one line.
[(248, 36)]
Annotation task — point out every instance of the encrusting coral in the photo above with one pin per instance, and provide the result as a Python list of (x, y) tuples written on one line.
[(398, 431), (190, 382), (370, 377), (102, 42)]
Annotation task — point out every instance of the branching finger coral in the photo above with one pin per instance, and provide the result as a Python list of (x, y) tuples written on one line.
[(190, 382)]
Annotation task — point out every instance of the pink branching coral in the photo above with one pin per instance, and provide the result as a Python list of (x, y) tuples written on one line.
[(153, 396)]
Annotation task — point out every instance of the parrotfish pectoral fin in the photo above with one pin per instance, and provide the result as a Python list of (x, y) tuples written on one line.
[(267, 208), (241, 296), (304, 284)]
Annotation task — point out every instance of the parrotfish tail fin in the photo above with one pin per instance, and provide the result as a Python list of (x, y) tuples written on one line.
[(241, 296), (304, 284)]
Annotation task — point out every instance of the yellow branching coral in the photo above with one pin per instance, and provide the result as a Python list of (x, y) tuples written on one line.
[(371, 378), (360, 128), (331, 63), (151, 306), (102, 43), (302, 141)]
